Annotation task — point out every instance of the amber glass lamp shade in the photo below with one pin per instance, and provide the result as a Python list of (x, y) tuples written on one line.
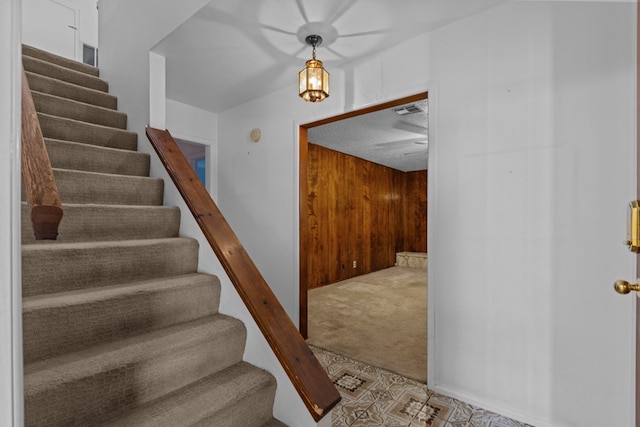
[(313, 81)]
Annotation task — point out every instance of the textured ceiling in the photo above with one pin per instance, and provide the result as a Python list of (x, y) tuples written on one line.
[(384, 137)]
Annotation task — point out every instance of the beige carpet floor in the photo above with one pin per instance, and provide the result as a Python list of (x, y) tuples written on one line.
[(378, 318)]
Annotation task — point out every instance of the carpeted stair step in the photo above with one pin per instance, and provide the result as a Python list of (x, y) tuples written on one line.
[(60, 267), (71, 109), (59, 60), (88, 133), (108, 189), (89, 222), (241, 395), (63, 89), (93, 158), (94, 385), (56, 324), (45, 68), (117, 322)]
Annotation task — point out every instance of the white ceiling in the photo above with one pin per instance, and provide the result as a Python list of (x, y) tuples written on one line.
[(231, 52)]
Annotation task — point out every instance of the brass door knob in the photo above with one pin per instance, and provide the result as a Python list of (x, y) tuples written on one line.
[(624, 287)]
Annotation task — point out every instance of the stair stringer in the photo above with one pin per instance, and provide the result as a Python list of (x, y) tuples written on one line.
[(288, 406)]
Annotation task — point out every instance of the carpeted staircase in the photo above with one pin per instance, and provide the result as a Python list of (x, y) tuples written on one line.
[(119, 327)]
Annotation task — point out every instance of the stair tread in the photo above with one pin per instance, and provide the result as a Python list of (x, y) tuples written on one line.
[(100, 222), (60, 60), (59, 267), (89, 295), (94, 385), (65, 322), (88, 133), (96, 158), (51, 246), (90, 173), (115, 208), (76, 110), (104, 188), (53, 86), (70, 367), (39, 66), (201, 399)]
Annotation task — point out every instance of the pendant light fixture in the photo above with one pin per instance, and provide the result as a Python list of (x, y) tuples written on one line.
[(313, 79)]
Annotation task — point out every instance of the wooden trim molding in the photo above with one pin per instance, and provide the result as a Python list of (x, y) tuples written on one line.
[(304, 243), (39, 183), (307, 375)]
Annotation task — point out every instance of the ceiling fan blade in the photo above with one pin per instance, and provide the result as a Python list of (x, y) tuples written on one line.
[(335, 53), (366, 33), (347, 5), (298, 52), (303, 12), (278, 30)]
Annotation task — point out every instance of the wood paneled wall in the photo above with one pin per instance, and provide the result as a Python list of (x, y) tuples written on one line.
[(415, 233), (359, 211)]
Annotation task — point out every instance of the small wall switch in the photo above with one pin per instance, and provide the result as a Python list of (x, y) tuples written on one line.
[(355, 264)]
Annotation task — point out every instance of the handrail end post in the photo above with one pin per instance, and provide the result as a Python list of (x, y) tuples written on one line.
[(45, 221)]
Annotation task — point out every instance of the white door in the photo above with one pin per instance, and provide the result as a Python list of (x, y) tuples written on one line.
[(50, 25)]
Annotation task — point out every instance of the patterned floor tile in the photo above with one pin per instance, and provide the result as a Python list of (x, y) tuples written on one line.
[(374, 397), (460, 424), (483, 418), (407, 406), (451, 409), (382, 397), (399, 387), (323, 356), (348, 413), (433, 422), (349, 384), (372, 416), (495, 421), (336, 367), (337, 420)]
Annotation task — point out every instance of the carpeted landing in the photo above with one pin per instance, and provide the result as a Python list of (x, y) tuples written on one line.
[(119, 327), (378, 318)]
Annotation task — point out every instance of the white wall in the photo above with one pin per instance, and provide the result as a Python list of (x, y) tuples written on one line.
[(10, 289), (531, 168), (535, 149), (88, 21)]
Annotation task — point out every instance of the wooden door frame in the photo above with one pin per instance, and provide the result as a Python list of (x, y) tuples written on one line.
[(303, 189)]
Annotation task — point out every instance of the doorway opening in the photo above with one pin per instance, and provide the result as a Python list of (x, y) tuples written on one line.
[(196, 155), (363, 201)]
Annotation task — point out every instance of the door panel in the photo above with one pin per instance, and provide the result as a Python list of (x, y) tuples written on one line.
[(51, 26), (638, 198)]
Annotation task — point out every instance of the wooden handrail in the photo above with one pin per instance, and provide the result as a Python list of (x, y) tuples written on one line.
[(307, 375), (39, 183)]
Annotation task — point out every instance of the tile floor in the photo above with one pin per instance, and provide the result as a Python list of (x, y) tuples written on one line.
[(374, 397)]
